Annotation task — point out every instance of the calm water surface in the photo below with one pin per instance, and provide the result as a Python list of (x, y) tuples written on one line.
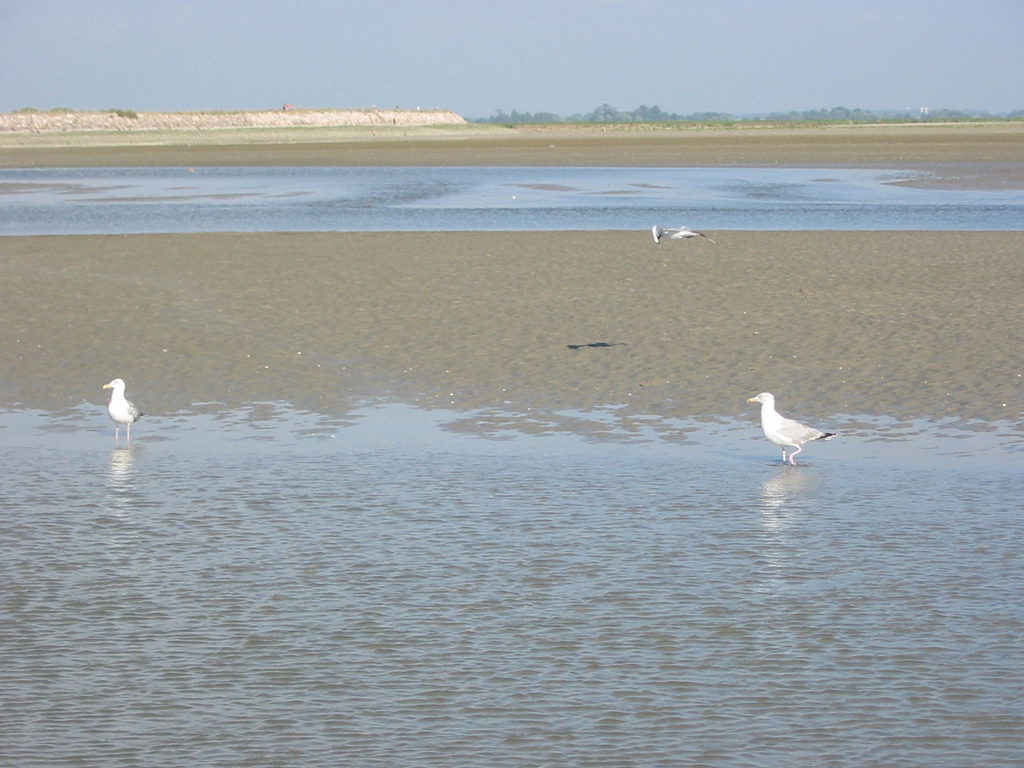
[(266, 588), (148, 200)]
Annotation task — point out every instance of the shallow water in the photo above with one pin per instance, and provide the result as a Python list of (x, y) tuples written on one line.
[(152, 200), (405, 587), (398, 587)]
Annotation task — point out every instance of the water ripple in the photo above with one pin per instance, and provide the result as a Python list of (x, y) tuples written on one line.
[(209, 599)]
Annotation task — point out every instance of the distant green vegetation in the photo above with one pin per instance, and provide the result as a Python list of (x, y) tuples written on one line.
[(835, 115), (34, 111), (129, 113)]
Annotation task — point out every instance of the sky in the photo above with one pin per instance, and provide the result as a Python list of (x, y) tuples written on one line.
[(480, 56)]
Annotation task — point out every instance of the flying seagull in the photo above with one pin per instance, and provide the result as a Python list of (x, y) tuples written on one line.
[(783, 431), (120, 409), (677, 233)]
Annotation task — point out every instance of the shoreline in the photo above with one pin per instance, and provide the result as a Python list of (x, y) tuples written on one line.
[(907, 325)]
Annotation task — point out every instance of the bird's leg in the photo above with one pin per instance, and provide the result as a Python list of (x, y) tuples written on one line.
[(792, 459), (784, 457)]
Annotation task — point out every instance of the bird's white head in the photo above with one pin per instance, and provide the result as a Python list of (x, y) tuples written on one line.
[(116, 385), (765, 398)]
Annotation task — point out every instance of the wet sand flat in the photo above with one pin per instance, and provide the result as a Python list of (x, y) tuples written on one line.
[(901, 324), (907, 324), (971, 154)]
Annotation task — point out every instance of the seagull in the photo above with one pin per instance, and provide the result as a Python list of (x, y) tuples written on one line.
[(120, 409), (783, 431), (678, 233)]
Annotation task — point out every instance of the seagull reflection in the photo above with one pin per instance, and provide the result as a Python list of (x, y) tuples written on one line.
[(121, 460), (778, 491), (120, 479)]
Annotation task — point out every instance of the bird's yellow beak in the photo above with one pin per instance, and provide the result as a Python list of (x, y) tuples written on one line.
[(106, 386), (751, 399)]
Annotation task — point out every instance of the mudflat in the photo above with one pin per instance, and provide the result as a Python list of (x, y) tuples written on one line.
[(903, 324), (989, 152), (910, 325)]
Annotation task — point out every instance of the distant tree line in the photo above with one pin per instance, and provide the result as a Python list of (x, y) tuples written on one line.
[(606, 113)]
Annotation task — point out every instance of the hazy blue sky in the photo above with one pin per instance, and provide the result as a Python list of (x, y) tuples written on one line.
[(478, 56)]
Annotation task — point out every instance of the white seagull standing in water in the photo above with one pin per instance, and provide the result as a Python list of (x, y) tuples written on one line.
[(120, 409), (677, 233), (783, 431)]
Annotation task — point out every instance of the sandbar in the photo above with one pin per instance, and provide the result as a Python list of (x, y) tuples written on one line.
[(907, 325), (974, 155), (902, 325)]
